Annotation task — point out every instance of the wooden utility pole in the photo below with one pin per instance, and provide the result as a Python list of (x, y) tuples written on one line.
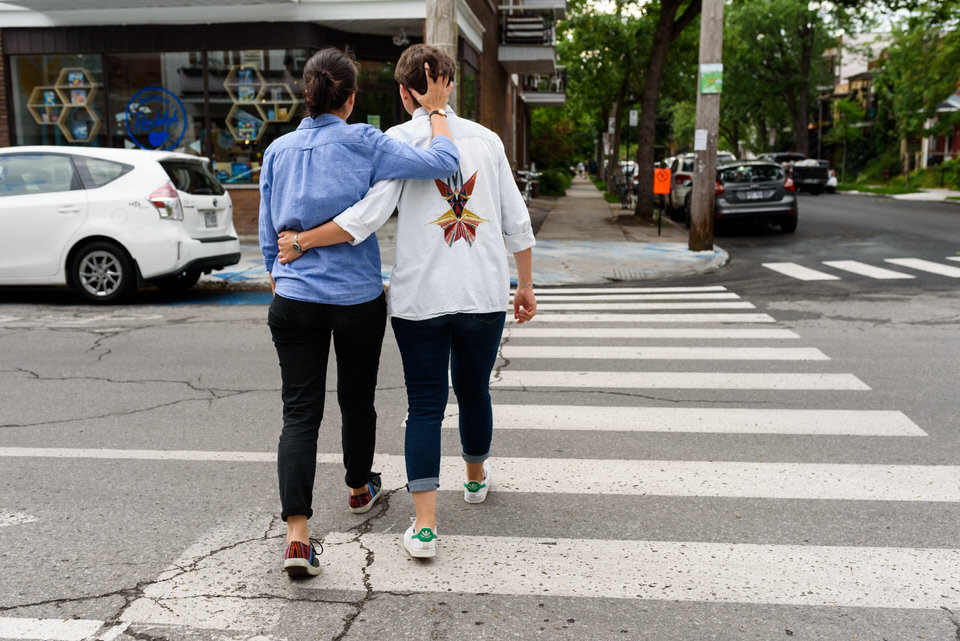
[(708, 123), (440, 31)]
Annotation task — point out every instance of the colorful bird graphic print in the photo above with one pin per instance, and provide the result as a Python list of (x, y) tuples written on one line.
[(458, 222)]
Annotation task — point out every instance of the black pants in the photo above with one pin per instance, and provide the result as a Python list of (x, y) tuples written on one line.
[(301, 333)]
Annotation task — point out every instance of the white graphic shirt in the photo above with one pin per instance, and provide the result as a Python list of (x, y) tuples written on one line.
[(452, 236)]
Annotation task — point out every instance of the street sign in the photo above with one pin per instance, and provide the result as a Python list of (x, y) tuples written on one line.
[(633, 117), (661, 181)]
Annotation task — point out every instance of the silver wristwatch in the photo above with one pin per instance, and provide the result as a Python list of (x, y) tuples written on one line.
[(296, 243)]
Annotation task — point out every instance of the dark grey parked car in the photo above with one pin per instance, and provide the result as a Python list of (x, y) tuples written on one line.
[(757, 190)]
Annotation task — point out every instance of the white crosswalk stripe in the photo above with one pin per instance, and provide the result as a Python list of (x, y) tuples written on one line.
[(676, 380), (631, 306), (713, 420), (956, 258), (799, 271), (926, 266), (632, 290), (535, 331), (548, 295), (863, 269), (664, 353), (633, 319)]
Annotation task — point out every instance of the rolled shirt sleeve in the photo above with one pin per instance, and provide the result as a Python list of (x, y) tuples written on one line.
[(394, 159), (367, 216), (514, 216)]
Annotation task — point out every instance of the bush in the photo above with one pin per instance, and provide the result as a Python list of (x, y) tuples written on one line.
[(554, 182)]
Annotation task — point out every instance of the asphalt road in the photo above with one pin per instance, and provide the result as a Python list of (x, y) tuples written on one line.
[(787, 470)]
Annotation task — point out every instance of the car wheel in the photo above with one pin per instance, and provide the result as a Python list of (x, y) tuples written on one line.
[(102, 272), (179, 283), (789, 226)]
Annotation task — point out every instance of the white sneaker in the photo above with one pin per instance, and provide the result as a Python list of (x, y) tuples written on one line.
[(476, 491), (421, 544)]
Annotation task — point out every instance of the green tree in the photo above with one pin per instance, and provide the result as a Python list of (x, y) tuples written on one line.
[(921, 68), (847, 128)]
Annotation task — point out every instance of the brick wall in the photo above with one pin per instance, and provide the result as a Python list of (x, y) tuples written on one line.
[(246, 210), (4, 114)]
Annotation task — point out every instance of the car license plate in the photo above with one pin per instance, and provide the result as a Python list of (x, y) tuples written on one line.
[(210, 219), (755, 195)]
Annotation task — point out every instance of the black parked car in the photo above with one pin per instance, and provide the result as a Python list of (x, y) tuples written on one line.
[(807, 174), (756, 190)]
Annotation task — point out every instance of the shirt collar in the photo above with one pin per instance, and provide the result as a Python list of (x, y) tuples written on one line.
[(320, 121), (420, 111)]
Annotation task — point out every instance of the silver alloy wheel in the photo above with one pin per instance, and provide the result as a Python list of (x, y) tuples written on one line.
[(100, 273)]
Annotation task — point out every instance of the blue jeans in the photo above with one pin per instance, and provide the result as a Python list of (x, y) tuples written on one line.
[(469, 343)]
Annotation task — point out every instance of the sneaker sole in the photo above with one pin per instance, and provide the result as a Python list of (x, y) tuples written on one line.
[(420, 554), (366, 508), (474, 498), (300, 567)]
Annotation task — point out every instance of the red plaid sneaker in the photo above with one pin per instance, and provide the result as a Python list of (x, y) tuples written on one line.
[(360, 503), (300, 559)]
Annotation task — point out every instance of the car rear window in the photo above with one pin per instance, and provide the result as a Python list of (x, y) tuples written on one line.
[(750, 173), (97, 172), (192, 177)]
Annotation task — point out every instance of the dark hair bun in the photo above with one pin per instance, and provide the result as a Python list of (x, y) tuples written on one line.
[(329, 77)]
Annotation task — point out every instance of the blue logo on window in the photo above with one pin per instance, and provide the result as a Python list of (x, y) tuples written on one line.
[(156, 119)]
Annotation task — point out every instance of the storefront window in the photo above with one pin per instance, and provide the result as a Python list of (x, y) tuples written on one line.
[(468, 90), (156, 100), (58, 100), (378, 101), (224, 105), (255, 96)]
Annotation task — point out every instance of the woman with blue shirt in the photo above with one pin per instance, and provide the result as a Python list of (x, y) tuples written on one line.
[(307, 177)]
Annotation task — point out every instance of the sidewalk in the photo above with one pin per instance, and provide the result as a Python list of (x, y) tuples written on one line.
[(924, 195), (582, 239)]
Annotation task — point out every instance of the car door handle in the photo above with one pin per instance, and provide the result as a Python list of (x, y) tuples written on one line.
[(68, 209)]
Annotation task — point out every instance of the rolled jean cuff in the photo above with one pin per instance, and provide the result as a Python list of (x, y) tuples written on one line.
[(473, 458), (423, 485)]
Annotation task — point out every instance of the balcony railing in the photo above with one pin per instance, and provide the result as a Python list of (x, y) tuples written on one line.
[(555, 82), (527, 29)]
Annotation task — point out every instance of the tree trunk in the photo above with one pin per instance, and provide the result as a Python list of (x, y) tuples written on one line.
[(807, 35), (617, 121), (666, 32)]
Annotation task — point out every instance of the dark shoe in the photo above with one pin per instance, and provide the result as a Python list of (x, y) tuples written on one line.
[(360, 503), (300, 559)]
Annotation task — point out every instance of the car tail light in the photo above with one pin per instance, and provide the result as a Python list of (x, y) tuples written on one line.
[(678, 179), (167, 202), (833, 174), (718, 188), (788, 185)]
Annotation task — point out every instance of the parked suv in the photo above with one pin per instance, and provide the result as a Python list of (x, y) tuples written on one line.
[(807, 174), (681, 175), (105, 220)]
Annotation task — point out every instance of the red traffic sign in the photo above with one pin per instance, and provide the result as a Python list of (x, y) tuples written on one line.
[(661, 181)]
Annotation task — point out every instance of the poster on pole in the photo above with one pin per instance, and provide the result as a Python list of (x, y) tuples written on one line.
[(700, 140), (633, 117), (611, 124), (711, 78)]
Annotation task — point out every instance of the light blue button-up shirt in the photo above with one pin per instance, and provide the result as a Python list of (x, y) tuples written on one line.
[(310, 175)]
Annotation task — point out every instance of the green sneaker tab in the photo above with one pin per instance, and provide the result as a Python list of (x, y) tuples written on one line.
[(474, 486), (425, 534)]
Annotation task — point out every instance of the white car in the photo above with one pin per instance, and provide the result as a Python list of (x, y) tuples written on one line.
[(105, 220)]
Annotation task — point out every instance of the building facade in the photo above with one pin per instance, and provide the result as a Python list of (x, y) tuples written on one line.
[(222, 79)]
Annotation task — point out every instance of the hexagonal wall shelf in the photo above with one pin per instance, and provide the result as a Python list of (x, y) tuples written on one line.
[(44, 105), (243, 84), (277, 102), (244, 126), (74, 127)]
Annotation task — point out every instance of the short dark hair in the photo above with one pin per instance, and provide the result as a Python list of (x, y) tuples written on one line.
[(409, 70), (329, 77)]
